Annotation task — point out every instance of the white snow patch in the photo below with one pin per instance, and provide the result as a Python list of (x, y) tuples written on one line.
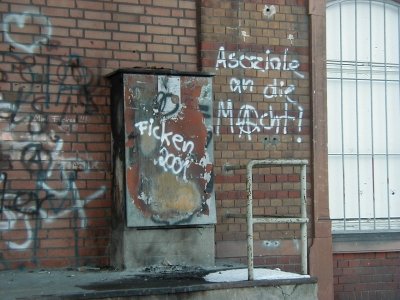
[(259, 274)]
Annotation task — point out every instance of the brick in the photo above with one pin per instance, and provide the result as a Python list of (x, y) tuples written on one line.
[(187, 41), (97, 25), (58, 31), (61, 3), (124, 17), (17, 8), (165, 21), (132, 27), (129, 56), (76, 13), (63, 22), (163, 30), (187, 4), (134, 9), (187, 23), (178, 31), (91, 44), (159, 48), (92, 5), (97, 15), (97, 53), (97, 34), (55, 11), (171, 3), (158, 11), (111, 26), (165, 39), (117, 36)]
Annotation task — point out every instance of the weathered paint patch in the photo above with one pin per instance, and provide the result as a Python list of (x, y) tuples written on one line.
[(173, 199)]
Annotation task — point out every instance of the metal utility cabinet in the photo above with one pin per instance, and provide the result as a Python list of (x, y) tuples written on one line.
[(163, 197)]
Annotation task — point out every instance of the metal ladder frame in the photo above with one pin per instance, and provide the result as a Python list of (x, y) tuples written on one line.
[(302, 220)]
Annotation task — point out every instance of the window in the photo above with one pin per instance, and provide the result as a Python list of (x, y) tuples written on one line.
[(363, 114)]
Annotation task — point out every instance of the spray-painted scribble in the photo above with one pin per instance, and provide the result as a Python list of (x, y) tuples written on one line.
[(50, 94), (56, 202), (249, 120), (168, 99), (23, 20)]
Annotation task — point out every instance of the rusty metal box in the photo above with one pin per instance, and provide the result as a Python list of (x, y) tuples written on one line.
[(163, 147)]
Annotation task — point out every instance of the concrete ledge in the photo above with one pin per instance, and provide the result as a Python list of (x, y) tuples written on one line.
[(158, 282), (259, 289)]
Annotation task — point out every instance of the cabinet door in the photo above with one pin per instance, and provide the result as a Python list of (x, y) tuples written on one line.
[(168, 150)]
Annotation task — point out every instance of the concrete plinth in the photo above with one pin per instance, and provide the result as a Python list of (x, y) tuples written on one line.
[(138, 248)]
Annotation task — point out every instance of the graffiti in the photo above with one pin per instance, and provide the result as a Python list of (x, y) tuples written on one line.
[(165, 138), (173, 163), (74, 83), (169, 161), (168, 100), (261, 63), (22, 21), (245, 120), (161, 102), (249, 120), (54, 204), (168, 143), (241, 85), (33, 157), (48, 93)]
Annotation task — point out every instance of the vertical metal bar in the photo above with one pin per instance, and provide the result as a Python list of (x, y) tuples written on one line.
[(398, 39), (357, 116), (341, 119), (303, 226), (372, 116), (250, 253), (386, 119)]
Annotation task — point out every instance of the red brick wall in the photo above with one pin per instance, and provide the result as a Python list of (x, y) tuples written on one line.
[(55, 149), (259, 53), (55, 173), (367, 275)]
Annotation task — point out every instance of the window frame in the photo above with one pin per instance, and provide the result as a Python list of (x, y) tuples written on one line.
[(345, 230)]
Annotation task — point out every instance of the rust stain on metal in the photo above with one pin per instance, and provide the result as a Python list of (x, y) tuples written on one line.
[(174, 198)]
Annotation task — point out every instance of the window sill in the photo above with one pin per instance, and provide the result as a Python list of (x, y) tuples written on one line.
[(359, 242)]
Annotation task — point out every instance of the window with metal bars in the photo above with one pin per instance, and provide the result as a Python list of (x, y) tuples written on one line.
[(363, 94)]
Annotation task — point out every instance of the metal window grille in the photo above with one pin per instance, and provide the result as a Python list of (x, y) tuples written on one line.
[(363, 39)]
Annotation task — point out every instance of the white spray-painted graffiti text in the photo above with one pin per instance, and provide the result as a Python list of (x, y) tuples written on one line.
[(249, 120)]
